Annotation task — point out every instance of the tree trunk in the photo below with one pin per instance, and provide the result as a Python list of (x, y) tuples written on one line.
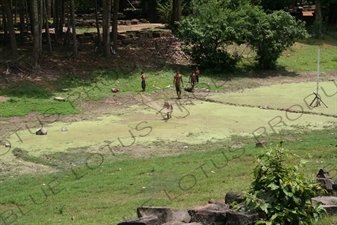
[(30, 15), (10, 23), (36, 37), (56, 20), (47, 29), (16, 12), (49, 7), (115, 24), (73, 27), (97, 24), (28, 21), (4, 20), (318, 18), (176, 12), (173, 11), (179, 10), (41, 23), (62, 17), (106, 27), (22, 22)]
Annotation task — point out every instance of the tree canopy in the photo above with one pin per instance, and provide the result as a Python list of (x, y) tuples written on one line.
[(207, 27), (215, 25)]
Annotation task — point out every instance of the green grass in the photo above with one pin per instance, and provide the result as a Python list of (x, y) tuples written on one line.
[(303, 56), (28, 97), (111, 187)]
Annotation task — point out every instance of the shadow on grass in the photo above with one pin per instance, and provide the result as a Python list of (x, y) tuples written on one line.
[(26, 89), (240, 72), (328, 38), (252, 72)]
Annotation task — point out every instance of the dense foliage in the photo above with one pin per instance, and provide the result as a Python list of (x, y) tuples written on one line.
[(215, 25), (273, 34), (282, 192)]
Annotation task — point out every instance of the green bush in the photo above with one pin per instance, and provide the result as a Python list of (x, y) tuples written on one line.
[(217, 24), (209, 31), (282, 192), (273, 34)]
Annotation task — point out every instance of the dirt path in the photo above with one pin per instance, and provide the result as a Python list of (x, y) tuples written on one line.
[(124, 28)]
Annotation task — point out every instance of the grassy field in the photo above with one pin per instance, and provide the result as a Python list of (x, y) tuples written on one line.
[(105, 188), (89, 186), (27, 96), (303, 56)]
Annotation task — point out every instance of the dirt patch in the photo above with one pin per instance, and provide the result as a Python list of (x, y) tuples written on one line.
[(136, 27), (3, 99)]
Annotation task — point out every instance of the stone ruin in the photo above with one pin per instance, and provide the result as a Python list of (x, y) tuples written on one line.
[(325, 180), (216, 213), (213, 213)]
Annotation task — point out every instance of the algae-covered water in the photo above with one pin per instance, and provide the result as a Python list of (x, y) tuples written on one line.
[(194, 123)]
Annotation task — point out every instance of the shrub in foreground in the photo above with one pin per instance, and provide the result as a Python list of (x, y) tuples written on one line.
[(282, 192)]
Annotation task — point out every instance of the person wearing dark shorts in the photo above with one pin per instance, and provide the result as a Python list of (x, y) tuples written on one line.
[(143, 77), (177, 80), (197, 72), (178, 89), (192, 80)]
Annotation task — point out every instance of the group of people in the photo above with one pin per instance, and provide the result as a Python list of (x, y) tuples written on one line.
[(178, 83), (178, 80)]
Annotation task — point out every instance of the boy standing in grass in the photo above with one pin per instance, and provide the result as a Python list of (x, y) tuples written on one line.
[(176, 81), (193, 80), (143, 77), (197, 72)]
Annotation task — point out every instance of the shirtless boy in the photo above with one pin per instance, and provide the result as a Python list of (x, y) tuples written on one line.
[(169, 109), (193, 79), (143, 77), (197, 72), (176, 81)]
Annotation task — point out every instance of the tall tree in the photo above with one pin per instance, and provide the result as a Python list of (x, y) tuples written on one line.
[(318, 18), (10, 23), (62, 17), (56, 20), (325, 12), (48, 8), (115, 24), (47, 27), (4, 22), (106, 27), (41, 21), (97, 24), (36, 34), (176, 12), (22, 21), (73, 27)]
